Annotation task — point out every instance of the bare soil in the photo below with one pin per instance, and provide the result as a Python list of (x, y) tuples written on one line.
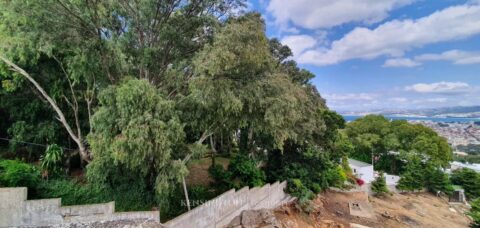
[(331, 209), (198, 170)]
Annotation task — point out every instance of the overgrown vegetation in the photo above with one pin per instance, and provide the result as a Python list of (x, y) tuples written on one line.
[(474, 213)]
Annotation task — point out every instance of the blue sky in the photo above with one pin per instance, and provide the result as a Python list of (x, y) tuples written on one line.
[(383, 54)]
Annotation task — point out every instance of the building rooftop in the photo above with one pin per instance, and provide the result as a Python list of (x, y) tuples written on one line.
[(358, 163)]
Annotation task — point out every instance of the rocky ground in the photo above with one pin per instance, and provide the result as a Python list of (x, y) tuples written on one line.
[(331, 209)]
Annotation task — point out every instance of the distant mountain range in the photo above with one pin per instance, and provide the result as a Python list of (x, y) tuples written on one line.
[(457, 111)]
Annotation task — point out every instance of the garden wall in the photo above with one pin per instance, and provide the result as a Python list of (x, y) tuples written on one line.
[(16, 210), (220, 211)]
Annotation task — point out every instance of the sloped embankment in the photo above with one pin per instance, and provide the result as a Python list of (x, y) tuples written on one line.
[(331, 209)]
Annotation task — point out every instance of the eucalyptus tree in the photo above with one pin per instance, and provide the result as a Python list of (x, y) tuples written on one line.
[(96, 43)]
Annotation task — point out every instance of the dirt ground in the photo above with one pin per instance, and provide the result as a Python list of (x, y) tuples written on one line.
[(331, 209), (198, 170)]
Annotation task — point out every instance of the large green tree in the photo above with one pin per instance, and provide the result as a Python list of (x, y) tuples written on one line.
[(136, 134), (386, 143)]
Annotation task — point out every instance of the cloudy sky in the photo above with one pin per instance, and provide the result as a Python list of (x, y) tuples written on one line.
[(383, 54)]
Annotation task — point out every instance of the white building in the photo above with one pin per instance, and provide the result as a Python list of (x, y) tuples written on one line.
[(391, 180), (458, 165), (362, 170)]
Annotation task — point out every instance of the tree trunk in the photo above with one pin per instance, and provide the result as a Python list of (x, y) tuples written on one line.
[(61, 117), (186, 192)]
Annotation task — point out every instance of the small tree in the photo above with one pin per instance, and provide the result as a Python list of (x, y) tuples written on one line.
[(379, 185), (413, 177), (474, 213), (436, 180)]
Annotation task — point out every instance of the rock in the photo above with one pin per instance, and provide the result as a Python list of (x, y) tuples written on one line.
[(235, 222), (255, 218), (387, 215)]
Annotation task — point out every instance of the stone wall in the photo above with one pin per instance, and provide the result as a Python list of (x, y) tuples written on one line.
[(16, 210), (220, 211)]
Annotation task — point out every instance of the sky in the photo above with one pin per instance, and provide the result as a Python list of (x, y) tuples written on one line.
[(383, 54)]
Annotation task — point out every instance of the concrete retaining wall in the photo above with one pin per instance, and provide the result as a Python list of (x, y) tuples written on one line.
[(220, 211), (16, 210)]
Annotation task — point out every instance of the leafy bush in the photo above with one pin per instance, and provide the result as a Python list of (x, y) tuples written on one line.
[(296, 188), (379, 185), (242, 171), (246, 172), (14, 173), (436, 180), (336, 177), (474, 213), (359, 181), (221, 178), (51, 161)]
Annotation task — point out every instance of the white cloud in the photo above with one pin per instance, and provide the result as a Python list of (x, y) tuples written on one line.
[(401, 62), (395, 37), (299, 43), (327, 13), (440, 88), (335, 97), (455, 56)]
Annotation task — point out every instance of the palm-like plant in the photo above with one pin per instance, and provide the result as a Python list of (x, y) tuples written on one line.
[(52, 159)]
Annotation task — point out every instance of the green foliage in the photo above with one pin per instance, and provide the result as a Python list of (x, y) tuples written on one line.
[(373, 135), (296, 188), (469, 180), (308, 164), (136, 131), (336, 177), (52, 160), (242, 171), (128, 197), (437, 180), (245, 172), (413, 177), (379, 185), (474, 213), (15, 173)]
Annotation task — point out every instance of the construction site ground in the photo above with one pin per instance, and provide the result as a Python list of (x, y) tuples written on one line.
[(332, 209)]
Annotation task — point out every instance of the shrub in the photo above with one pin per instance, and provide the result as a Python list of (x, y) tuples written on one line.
[(474, 213), (51, 161), (296, 188), (246, 172), (14, 173), (242, 171), (336, 177), (359, 181), (379, 185), (436, 180), (221, 178)]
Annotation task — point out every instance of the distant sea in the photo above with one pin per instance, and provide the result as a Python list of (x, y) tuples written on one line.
[(434, 119)]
